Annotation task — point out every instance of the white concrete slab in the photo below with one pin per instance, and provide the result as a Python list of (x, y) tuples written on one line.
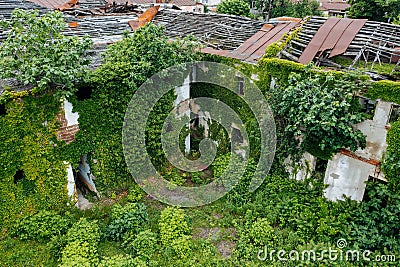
[(346, 176)]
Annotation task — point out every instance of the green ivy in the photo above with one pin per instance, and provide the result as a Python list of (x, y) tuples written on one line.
[(174, 231), (384, 90), (29, 146), (42, 226)]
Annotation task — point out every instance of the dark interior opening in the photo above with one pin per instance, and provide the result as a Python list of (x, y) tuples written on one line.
[(320, 165), (83, 93), (367, 105), (2, 109), (194, 122), (18, 176)]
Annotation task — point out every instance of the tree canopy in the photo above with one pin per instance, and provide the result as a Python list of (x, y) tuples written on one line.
[(280, 8), (378, 10), (37, 53), (234, 7)]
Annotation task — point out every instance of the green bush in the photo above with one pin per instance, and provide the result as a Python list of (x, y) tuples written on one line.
[(78, 253), (117, 261), (385, 90), (42, 226), (81, 242), (128, 218), (234, 7), (174, 231), (143, 245), (391, 163), (261, 232)]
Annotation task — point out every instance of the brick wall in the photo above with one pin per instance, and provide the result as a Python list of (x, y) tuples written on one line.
[(66, 133)]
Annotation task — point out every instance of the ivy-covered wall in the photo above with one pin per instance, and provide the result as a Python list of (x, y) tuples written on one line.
[(384, 90), (32, 172)]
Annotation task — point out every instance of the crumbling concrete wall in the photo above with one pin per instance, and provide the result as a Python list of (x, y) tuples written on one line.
[(347, 172)]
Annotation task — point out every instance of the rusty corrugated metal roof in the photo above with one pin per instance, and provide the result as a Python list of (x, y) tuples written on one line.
[(347, 37), (51, 4), (334, 6), (330, 34), (254, 47)]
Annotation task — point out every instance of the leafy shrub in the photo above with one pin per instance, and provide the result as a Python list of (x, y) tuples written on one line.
[(118, 261), (324, 115), (143, 245), (234, 7), (261, 232), (174, 230), (80, 244), (78, 253), (49, 58), (42, 226), (130, 217), (84, 231), (391, 164)]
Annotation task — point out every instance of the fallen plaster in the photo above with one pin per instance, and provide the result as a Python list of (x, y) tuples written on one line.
[(83, 203)]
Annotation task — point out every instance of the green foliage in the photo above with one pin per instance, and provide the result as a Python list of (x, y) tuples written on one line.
[(78, 253), (16, 252), (174, 231), (126, 65), (377, 218), (142, 245), (234, 7), (261, 232), (117, 261), (319, 110), (273, 49), (84, 231), (29, 146), (128, 218), (42, 226), (81, 242), (384, 90), (377, 10), (391, 164), (48, 59), (298, 9)]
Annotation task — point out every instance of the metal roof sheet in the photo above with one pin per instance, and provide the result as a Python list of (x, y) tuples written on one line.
[(254, 47)]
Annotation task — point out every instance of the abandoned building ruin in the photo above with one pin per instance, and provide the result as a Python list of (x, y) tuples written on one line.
[(319, 40)]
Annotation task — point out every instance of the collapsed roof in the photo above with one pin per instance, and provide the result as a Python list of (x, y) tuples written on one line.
[(214, 30), (323, 38), (241, 38)]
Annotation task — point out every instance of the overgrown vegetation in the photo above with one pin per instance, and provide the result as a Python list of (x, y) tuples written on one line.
[(37, 54), (286, 8), (40, 227), (234, 7)]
